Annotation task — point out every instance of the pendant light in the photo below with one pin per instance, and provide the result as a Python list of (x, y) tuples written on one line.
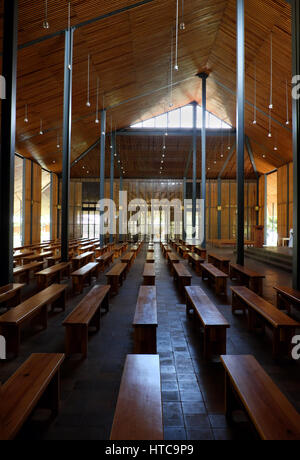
[(176, 67), (271, 75), (41, 127), (69, 29), (171, 71), (255, 94), (26, 114), (287, 103), (46, 24), (182, 24), (58, 143), (270, 125), (88, 103), (97, 104)]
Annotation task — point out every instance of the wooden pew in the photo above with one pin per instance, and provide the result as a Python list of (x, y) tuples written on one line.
[(19, 255), (200, 252), (36, 382), (53, 274), (101, 251), (150, 258), (222, 263), (87, 314), (195, 261), (213, 322), (116, 276), (83, 259), (23, 271), (10, 295), (271, 414), (251, 279), (138, 414), (181, 276), (286, 298), (183, 251), (262, 313), (145, 321), (105, 261), (149, 275), (83, 275), (36, 257), (128, 259), (217, 278), (35, 308), (172, 259)]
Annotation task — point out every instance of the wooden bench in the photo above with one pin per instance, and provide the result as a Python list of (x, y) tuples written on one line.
[(36, 257), (200, 252), (87, 248), (149, 275), (35, 308), (251, 279), (83, 259), (19, 255), (220, 262), (10, 295), (195, 261), (35, 383), (116, 276), (172, 259), (128, 259), (150, 259), (215, 277), (105, 261), (213, 322), (101, 251), (87, 314), (183, 251), (23, 271), (262, 313), (83, 275), (145, 321), (53, 274), (271, 414), (286, 298), (138, 414), (181, 276)]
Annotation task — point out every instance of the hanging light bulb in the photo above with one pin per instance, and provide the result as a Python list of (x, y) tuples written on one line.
[(69, 28), (26, 114), (287, 104), (271, 73), (270, 125), (41, 127), (58, 144), (88, 103), (182, 24), (97, 104), (46, 24), (255, 93), (176, 67)]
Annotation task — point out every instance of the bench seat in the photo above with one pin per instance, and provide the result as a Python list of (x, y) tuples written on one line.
[(128, 259), (83, 275), (145, 321), (138, 414), (286, 298), (250, 278), (195, 261), (53, 274), (150, 259), (271, 414), (116, 276), (23, 271), (37, 379), (222, 263), (83, 259), (200, 252), (262, 313), (213, 322), (181, 276), (86, 314), (10, 295), (36, 308), (216, 277), (149, 275)]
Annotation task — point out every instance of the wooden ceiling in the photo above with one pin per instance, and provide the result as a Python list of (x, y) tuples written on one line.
[(130, 53)]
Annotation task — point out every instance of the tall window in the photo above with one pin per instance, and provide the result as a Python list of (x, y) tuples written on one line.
[(46, 206), (90, 220), (272, 233), (18, 202)]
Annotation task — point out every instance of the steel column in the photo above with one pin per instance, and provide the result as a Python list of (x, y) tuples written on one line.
[(240, 129), (121, 210), (67, 138), (219, 204), (194, 196), (203, 77), (296, 143), (112, 177), (102, 174), (183, 211), (8, 139)]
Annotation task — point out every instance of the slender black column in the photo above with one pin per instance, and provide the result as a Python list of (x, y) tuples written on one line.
[(67, 135), (203, 77), (296, 143), (194, 197), (102, 174), (219, 208), (183, 211), (8, 139), (112, 177), (240, 121)]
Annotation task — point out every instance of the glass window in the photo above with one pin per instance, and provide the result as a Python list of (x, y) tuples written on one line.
[(45, 206), (174, 119), (18, 202), (187, 116)]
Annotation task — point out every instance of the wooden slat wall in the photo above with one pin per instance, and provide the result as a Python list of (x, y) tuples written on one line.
[(285, 200), (261, 219), (54, 192), (27, 198), (36, 205)]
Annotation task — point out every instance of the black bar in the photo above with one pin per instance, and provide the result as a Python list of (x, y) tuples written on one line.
[(67, 135), (112, 177), (194, 198), (31, 199), (102, 174), (296, 143), (8, 139), (219, 204), (183, 211), (186, 132), (240, 122), (203, 77)]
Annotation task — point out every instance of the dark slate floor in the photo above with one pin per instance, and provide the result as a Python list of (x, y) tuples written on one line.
[(192, 390)]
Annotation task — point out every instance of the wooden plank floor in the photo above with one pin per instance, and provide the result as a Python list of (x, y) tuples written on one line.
[(192, 389)]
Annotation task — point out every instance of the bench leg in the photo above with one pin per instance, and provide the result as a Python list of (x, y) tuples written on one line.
[(95, 322), (76, 339), (145, 340), (51, 397)]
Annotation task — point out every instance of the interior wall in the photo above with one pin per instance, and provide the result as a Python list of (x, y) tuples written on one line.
[(285, 201)]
